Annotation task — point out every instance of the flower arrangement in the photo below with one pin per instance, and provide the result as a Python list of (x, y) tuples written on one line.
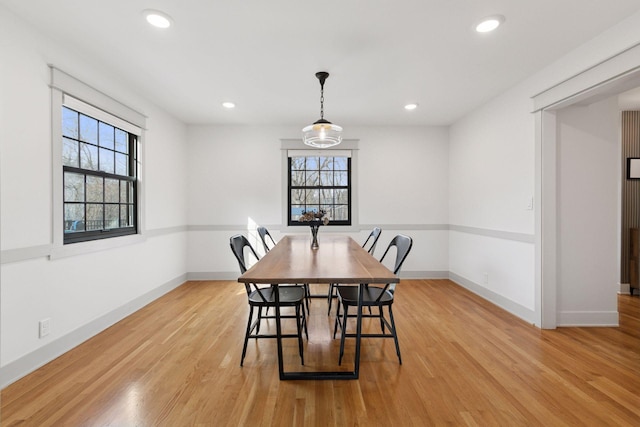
[(315, 220), (308, 216)]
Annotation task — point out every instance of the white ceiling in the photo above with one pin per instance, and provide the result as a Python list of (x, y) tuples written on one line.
[(263, 55)]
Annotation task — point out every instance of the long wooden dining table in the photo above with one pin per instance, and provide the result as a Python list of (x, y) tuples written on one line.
[(338, 259)]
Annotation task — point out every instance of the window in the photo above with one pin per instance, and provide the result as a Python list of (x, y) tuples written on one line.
[(99, 164), (319, 180)]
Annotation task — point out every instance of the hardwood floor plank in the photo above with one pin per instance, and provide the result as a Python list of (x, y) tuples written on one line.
[(176, 362)]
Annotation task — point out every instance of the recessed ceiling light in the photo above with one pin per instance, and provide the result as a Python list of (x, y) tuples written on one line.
[(228, 105), (490, 23), (410, 107), (157, 19)]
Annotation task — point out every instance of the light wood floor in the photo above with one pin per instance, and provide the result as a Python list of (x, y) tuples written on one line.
[(465, 362)]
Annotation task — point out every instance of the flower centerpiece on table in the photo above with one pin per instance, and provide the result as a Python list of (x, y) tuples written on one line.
[(315, 219)]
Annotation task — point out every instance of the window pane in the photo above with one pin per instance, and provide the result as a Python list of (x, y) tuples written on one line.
[(312, 197), (297, 163), (297, 178), (73, 187), (95, 190), (69, 123), (94, 217), (73, 217), (342, 196), (124, 195), (296, 211), (341, 213), (340, 163), (341, 179), (111, 190), (107, 161), (126, 215), (326, 163), (70, 152), (88, 129), (298, 197), (88, 157), (326, 179), (312, 179), (326, 197), (122, 164), (122, 144), (111, 216), (312, 163), (106, 135)]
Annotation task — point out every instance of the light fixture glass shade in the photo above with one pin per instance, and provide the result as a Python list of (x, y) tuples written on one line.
[(322, 134)]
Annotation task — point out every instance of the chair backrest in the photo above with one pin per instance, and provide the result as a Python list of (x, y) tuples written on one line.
[(403, 245), (238, 245), (267, 240), (372, 240)]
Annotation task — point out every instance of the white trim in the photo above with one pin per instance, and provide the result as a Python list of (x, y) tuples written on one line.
[(9, 256), (606, 78), (319, 153), (619, 69), (102, 115), (297, 144), (588, 319), (114, 113), (80, 90), (494, 298)]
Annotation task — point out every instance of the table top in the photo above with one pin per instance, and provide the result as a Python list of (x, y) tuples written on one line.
[(339, 259)]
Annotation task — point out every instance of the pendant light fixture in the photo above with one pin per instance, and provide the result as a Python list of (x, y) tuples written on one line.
[(322, 133)]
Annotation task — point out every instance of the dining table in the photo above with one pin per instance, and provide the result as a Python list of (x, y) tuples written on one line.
[(337, 259)]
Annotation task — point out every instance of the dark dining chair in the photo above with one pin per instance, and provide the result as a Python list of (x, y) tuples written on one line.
[(373, 296), (370, 246), (264, 297), (265, 237), (268, 243)]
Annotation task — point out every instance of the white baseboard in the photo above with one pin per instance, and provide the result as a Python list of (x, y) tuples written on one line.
[(588, 319), (502, 302)]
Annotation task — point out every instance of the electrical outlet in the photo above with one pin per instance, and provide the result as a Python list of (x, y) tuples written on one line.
[(45, 327)]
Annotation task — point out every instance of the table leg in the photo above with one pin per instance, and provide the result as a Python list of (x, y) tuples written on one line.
[(358, 331), (279, 331)]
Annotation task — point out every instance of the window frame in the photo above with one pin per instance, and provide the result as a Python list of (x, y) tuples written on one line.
[(64, 88), (132, 167), (290, 144), (310, 154)]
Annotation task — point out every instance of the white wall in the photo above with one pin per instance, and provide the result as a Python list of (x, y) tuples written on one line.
[(80, 294), (401, 182), (588, 213)]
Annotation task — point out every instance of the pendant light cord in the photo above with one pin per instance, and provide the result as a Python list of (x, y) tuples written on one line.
[(322, 100)]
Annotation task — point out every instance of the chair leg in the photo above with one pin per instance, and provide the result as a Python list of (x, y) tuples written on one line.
[(299, 327), (246, 336), (260, 319), (395, 335), (330, 297), (344, 332), (335, 326), (381, 318), (304, 323), (307, 296)]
